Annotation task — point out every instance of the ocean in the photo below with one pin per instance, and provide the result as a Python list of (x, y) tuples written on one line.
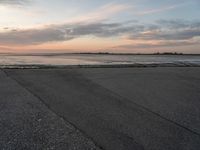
[(93, 59)]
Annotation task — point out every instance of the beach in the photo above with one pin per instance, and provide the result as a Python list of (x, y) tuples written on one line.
[(120, 108)]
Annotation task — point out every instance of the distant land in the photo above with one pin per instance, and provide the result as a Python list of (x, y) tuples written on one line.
[(157, 53), (96, 53)]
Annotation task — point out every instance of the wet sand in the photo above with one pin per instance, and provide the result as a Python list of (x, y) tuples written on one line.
[(153, 108)]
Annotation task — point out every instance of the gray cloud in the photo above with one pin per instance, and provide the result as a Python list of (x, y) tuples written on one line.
[(56, 33), (161, 44), (185, 34), (169, 30), (166, 30), (33, 36), (172, 24), (61, 33)]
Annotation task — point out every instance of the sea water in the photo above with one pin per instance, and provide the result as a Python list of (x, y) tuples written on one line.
[(93, 59)]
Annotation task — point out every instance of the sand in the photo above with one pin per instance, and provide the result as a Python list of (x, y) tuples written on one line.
[(153, 108)]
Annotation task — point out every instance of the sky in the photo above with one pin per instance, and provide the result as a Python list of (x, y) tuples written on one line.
[(118, 26)]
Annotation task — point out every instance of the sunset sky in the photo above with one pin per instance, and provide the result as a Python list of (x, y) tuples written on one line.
[(133, 26)]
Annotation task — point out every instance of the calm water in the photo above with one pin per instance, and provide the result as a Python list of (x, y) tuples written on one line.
[(94, 59)]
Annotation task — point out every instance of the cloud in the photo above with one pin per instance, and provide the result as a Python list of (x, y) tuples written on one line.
[(158, 10), (169, 30), (133, 31), (85, 25), (65, 32), (165, 8), (102, 13), (178, 24), (32, 36), (157, 45), (56, 33), (167, 35), (14, 2)]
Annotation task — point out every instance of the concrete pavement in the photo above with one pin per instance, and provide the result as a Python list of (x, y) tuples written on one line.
[(122, 108)]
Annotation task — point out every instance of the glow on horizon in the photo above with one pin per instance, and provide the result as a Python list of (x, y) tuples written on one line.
[(133, 26)]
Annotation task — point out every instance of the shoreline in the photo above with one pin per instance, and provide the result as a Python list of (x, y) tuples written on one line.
[(136, 65)]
